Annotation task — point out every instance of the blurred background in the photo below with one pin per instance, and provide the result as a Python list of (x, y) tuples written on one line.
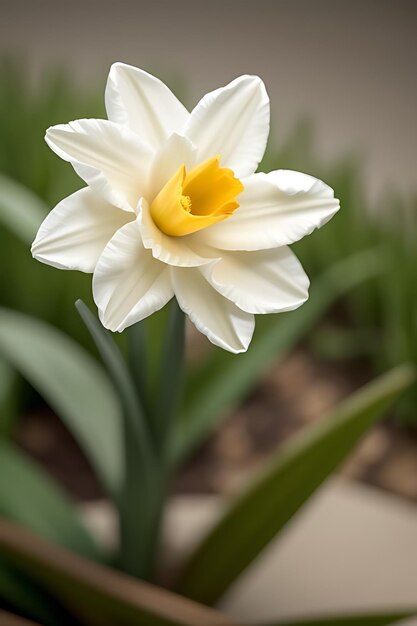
[(341, 78), (348, 66)]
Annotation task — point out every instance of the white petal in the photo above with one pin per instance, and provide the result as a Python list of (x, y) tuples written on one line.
[(218, 318), (232, 121), (128, 283), (144, 104), (276, 209), (76, 231), (172, 250), (265, 281), (176, 151), (109, 157)]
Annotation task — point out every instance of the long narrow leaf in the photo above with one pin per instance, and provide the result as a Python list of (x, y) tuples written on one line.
[(139, 497), (72, 383), (138, 363), (120, 375), (147, 344), (227, 378), (294, 475), (380, 619), (98, 596), (28, 496), (171, 375), (21, 211), (8, 400)]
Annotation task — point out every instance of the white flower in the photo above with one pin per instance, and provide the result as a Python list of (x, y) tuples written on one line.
[(173, 207)]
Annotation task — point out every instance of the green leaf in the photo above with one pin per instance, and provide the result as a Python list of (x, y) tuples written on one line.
[(95, 595), (37, 502), (139, 498), (73, 384), (147, 350), (371, 619), (167, 374), (137, 340), (295, 473), (29, 497), (171, 376), (8, 400), (120, 375), (21, 211), (226, 378)]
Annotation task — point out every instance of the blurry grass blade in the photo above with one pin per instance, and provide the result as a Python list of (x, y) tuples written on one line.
[(8, 400), (138, 363), (171, 375), (371, 619), (138, 500), (226, 378), (120, 375), (35, 501), (169, 378), (21, 211), (336, 342), (293, 476), (98, 596), (146, 341), (72, 383)]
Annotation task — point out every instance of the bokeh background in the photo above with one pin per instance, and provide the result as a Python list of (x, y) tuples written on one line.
[(348, 66), (342, 82)]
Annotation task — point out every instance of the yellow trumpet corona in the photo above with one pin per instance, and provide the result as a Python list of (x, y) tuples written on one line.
[(191, 201)]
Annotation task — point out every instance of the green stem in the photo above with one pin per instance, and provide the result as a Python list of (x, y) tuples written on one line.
[(136, 500), (137, 354), (144, 499), (138, 511), (146, 476), (171, 377)]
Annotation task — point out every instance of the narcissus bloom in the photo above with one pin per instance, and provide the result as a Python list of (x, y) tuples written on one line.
[(173, 207)]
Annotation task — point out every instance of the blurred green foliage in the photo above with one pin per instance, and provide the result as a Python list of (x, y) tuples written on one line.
[(377, 321), (25, 113), (364, 295)]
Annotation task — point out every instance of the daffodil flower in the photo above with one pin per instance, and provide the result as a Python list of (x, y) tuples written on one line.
[(172, 207)]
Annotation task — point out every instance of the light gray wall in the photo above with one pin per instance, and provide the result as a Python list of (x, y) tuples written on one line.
[(349, 64)]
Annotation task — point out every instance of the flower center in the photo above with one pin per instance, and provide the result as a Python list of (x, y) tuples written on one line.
[(186, 203), (194, 200)]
